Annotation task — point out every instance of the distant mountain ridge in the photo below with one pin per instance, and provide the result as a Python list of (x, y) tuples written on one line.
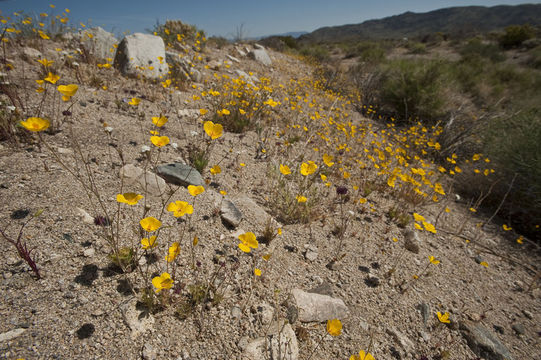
[(464, 20)]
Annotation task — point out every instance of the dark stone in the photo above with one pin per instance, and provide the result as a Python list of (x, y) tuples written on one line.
[(19, 214), (371, 281), (364, 269), (483, 342), (323, 289), (180, 174), (292, 314), (518, 328), (499, 329)]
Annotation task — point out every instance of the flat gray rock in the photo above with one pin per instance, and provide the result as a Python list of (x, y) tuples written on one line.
[(138, 323), (261, 56), (483, 342), (230, 214), (146, 182), (180, 174), (318, 308), (281, 343)]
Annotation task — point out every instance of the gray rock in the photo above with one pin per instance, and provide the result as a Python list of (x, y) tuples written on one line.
[(528, 314), (412, 242), (483, 342), (230, 214), (138, 322), (318, 308), (261, 56), (149, 353), (264, 313), (236, 312), (254, 213), (31, 53), (518, 328), (10, 335), (292, 314), (100, 44), (84, 216), (240, 51), (141, 50), (424, 309), (322, 289), (137, 177), (311, 255), (402, 340), (180, 174), (232, 58), (89, 252), (280, 343)]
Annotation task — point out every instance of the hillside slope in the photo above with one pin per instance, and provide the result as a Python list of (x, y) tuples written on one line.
[(452, 21)]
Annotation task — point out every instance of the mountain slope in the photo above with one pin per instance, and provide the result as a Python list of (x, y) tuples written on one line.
[(451, 21)]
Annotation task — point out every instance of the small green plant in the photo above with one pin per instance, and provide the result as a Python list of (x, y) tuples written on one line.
[(515, 35)]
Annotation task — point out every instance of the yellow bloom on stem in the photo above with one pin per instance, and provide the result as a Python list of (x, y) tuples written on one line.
[(429, 227), (159, 121), (248, 242), (216, 169), (159, 141), (195, 190), (334, 327), (301, 199), (439, 189), (149, 243), (35, 124), (45, 62), (150, 224), (223, 112), (483, 263), (174, 251), (362, 356), (308, 168), (285, 170), (129, 198), (213, 130), (418, 217), (134, 101), (362, 201), (180, 208), (52, 78), (203, 111), (506, 228), (257, 272), (520, 239), (444, 318), (163, 281), (327, 159), (418, 227), (67, 91), (433, 260)]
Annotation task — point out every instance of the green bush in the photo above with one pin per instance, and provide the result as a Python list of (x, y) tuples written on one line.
[(514, 143), (413, 88), (174, 32), (316, 52), (475, 48), (515, 35)]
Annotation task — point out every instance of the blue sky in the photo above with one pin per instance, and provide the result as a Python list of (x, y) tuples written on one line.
[(224, 17)]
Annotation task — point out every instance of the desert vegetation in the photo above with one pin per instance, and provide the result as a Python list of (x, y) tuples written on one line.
[(396, 181)]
